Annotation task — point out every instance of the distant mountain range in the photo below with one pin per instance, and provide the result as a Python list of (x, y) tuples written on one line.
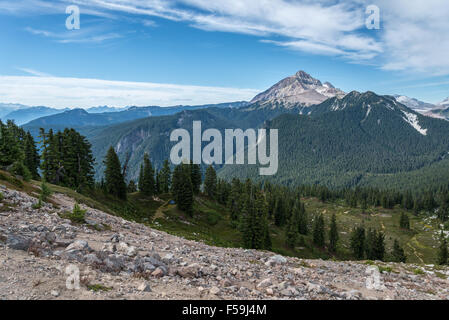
[(102, 109), (81, 119), (25, 115), (6, 108)]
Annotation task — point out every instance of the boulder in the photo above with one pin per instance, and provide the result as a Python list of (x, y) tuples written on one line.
[(276, 260), (144, 287), (78, 245), (18, 242), (264, 283)]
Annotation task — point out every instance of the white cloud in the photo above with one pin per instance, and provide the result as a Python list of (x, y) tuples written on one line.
[(84, 35), (83, 93), (416, 35), (413, 37)]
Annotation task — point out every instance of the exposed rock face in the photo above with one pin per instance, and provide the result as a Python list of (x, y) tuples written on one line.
[(38, 249), (300, 88)]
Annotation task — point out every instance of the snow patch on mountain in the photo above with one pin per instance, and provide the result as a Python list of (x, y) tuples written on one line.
[(412, 119), (414, 104)]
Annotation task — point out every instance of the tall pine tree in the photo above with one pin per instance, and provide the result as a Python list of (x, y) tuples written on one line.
[(114, 182), (210, 182), (333, 235)]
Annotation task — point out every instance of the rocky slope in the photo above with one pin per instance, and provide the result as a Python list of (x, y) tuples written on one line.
[(118, 259), (299, 88)]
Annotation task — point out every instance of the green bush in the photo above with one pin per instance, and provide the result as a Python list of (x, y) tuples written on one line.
[(45, 191), (19, 169), (1, 196), (77, 215), (38, 204)]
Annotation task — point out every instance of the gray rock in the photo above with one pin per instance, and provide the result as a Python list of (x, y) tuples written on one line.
[(144, 287), (276, 260), (92, 259), (264, 283), (114, 263), (18, 242), (79, 245), (54, 293), (214, 290), (168, 258)]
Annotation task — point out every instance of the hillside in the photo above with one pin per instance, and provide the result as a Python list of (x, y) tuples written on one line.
[(121, 259)]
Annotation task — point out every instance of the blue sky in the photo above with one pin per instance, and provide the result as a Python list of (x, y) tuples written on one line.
[(156, 52)]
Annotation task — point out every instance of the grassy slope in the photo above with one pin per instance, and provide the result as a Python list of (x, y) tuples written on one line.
[(211, 222)]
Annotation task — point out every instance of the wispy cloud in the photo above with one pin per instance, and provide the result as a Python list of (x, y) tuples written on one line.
[(85, 35), (83, 93), (34, 72)]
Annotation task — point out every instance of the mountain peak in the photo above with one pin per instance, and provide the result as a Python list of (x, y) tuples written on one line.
[(306, 78), (300, 88)]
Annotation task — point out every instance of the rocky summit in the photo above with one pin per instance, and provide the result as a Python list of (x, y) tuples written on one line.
[(44, 256), (300, 88)]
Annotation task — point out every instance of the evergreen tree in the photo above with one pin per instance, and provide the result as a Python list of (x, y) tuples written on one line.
[(292, 232), (375, 245), (253, 225), (210, 182), (404, 221), (358, 242), (318, 231), (303, 220), (67, 159), (266, 236), (235, 203), (132, 187), (379, 248), (157, 183), (165, 177), (333, 235), (443, 210), (408, 202), (10, 150), (279, 212), (443, 251), (147, 187), (31, 156), (398, 253), (196, 178), (182, 188), (114, 182), (141, 182)]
